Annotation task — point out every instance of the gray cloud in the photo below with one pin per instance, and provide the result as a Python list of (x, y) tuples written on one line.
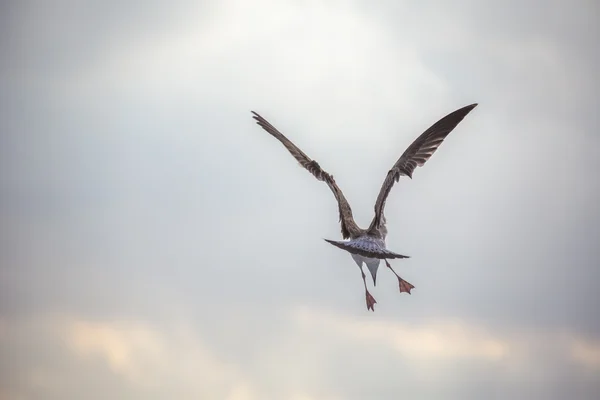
[(135, 187)]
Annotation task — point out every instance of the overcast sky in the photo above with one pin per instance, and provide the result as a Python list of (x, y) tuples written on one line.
[(155, 243)]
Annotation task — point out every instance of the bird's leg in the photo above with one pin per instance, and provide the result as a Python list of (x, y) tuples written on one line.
[(404, 285), (370, 299)]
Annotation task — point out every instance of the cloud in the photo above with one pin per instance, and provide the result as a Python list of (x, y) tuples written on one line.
[(147, 360), (442, 340), (150, 229), (586, 352), (310, 355), (453, 339), (148, 357)]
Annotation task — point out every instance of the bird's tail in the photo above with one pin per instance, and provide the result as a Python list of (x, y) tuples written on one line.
[(373, 266)]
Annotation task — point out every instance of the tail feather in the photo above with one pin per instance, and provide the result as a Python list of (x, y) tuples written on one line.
[(373, 266)]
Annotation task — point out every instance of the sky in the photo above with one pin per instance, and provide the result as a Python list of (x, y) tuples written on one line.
[(155, 243)]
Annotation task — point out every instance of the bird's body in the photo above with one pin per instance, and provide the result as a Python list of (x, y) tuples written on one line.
[(367, 246)]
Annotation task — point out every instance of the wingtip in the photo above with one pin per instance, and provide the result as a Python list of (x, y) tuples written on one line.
[(463, 111)]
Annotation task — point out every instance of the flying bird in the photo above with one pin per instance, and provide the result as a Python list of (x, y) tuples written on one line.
[(368, 245)]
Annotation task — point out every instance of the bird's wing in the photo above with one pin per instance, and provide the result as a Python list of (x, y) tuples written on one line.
[(349, 227), (416, 155)]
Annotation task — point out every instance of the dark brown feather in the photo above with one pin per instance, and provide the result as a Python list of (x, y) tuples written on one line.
[(349, 227), (415, 156)]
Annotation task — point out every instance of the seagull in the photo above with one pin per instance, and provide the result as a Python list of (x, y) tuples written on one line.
[(368, 245)]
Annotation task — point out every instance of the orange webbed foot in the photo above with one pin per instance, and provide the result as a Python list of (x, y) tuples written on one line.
[(405, 287), (370, 302)]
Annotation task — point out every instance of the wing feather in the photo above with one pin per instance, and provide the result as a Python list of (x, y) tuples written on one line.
[(416, 155), (349, 227)]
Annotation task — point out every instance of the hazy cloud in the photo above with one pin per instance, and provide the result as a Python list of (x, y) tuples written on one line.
[(156, 243)]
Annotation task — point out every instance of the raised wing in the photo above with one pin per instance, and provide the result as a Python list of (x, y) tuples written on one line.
[(416, 155), (349, 227)]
